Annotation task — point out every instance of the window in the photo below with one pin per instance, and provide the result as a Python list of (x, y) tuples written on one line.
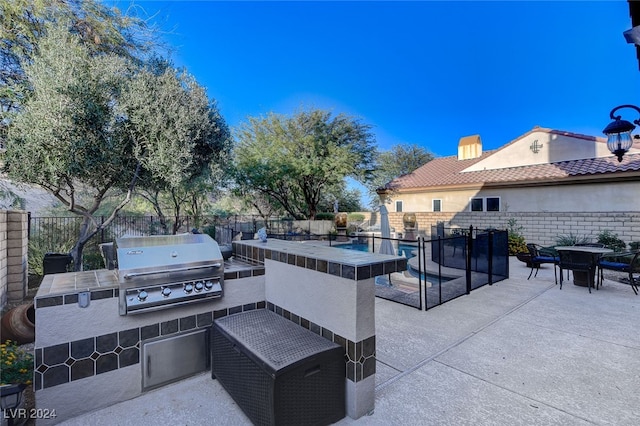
[(437, 205), (488, 204), (398, 206), (477, 204), (493, 204)]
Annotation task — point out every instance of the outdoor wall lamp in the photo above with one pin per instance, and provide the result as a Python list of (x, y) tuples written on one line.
[(10, 399), (619, 132)]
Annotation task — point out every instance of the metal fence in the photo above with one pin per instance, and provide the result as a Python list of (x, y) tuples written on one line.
[(58, 234), (483, 256), (57, 229), (450, 264), (442, 268), (405, 287)]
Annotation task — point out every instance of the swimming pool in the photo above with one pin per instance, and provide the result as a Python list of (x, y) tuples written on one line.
[(406, 250)]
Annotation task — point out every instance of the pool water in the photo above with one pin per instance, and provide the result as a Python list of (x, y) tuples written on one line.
[(405, 250), (401, 249)]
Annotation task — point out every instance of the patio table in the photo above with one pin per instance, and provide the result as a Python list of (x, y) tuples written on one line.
[(582, 278)]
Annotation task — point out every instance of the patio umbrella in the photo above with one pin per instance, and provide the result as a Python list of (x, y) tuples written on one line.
[(385, 247)]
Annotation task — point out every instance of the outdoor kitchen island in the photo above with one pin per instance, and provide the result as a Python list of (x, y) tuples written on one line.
[(331, 292), (89, 357)]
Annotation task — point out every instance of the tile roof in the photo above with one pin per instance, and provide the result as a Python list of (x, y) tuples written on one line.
[(445, 171)]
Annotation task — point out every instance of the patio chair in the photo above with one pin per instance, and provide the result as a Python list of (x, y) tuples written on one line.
[(628, 262), (578, 261), (540, 255)]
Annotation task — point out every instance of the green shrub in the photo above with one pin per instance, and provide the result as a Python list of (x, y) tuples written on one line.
[(325, 216), (611, 241), (210, 230), (92, 259), (517, 245), (355, 217), (60, 237), (572, 240), (634, 245), (516, 240), (38, 248), (17, 364)]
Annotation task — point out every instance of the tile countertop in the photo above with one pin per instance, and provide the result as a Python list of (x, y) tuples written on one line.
[(349, 264), (71, 282), (103, 279), (320, 252)]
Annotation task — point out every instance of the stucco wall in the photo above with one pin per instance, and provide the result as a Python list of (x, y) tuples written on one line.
[(592, 197), (551, 148)]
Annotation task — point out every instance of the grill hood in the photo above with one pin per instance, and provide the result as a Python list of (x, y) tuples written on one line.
[(166, 258)]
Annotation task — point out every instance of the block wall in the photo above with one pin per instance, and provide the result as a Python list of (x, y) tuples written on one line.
[(3, 258), (14, 245), (538, 227)]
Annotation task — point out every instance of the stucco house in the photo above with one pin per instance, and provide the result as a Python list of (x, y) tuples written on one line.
[(552, 182)]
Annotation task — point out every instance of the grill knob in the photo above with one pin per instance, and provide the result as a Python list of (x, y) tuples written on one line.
[(166, 291), (188, 288), (142, 295), (208, 285), (199, 286)]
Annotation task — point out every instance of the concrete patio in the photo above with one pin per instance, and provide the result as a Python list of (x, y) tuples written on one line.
[(518, 352)]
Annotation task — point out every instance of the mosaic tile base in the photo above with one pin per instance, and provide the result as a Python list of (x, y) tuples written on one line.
[(67, 362)]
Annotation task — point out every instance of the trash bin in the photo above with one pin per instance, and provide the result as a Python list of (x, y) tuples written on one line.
[(55, 263)]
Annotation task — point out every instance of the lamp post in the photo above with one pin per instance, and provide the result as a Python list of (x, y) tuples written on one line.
[(618, 132)]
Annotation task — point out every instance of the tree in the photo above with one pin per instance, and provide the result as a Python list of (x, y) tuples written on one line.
[(348, 199), (290, 161), (9, 199), (68, 137), (89, 126), (255, 201), (400, 160), (176, 180), (103, 30)]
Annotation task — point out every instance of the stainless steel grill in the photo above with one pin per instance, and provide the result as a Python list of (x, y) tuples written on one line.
[(163, 271)]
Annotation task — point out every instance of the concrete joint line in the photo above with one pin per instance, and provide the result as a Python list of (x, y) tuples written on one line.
[(516, 393), (457, 342)]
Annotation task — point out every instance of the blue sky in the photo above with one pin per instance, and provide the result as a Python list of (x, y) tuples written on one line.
[(425, 72)]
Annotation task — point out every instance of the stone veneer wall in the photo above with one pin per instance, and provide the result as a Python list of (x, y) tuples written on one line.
[(14, 244), (538, 227)]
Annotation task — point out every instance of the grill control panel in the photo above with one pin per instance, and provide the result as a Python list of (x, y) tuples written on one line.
[(153, 298)]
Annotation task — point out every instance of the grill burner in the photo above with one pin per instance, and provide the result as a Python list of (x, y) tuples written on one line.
[(163, 271)]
